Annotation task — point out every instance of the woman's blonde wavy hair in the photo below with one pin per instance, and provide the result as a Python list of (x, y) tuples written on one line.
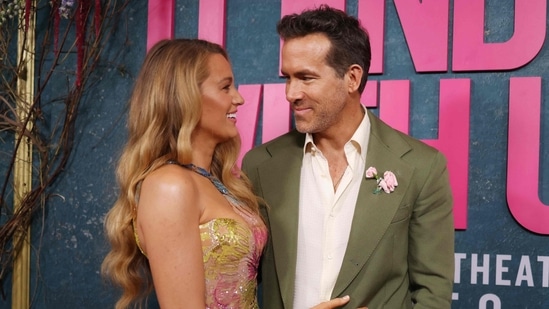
[(165, 107)]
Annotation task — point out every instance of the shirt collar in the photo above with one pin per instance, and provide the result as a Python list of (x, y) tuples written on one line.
[(362, 134)]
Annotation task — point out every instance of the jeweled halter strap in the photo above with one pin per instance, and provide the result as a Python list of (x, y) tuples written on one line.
[(197, 169)]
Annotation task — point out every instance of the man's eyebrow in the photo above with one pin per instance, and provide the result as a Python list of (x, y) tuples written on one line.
[(305, 72), (300, 73)]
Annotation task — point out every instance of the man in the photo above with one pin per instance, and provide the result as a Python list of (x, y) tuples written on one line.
[(337, 226)]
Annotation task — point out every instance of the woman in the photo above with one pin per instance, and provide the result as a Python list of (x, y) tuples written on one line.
[(186, 218), (186, 222)]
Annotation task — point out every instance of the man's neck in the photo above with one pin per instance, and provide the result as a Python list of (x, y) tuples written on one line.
[(335, 138)]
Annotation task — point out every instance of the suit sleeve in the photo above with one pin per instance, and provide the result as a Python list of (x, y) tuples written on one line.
[(249, 167), (431, 241)]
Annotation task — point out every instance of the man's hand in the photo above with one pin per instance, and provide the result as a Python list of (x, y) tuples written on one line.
[(335, 303)]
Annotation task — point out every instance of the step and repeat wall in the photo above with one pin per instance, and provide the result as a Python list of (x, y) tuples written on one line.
[(467, 77)]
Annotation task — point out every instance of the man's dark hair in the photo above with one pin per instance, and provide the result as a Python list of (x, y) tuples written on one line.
[(350, 43)]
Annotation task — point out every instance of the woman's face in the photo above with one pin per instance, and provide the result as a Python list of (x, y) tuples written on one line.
[(220, 100)]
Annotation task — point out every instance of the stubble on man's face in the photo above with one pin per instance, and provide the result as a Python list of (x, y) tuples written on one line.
[(325, 112)]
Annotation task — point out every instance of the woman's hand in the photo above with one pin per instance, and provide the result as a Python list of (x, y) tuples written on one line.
[(334, 303)]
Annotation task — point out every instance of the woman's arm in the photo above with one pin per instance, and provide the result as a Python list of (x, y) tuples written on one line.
[(168, 226)]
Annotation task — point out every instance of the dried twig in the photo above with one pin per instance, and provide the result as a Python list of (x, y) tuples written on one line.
[(92, 25)]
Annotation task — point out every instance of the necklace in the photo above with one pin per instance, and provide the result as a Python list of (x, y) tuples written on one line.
[(214, 180), (217, 183)]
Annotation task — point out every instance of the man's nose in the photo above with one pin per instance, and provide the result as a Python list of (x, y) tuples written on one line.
[(293, 92)]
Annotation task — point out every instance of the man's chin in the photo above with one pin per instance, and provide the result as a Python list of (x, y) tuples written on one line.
[(303, 129)]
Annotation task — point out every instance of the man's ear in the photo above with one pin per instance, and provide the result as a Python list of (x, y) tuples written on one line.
[(354, 75)]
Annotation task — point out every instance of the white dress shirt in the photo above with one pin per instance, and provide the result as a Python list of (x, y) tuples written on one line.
[(325, 217)]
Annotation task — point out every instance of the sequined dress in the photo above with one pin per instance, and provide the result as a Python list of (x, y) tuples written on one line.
[(231, 252), (231, 256)]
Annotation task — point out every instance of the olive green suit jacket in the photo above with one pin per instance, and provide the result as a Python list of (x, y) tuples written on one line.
[(401, 245)]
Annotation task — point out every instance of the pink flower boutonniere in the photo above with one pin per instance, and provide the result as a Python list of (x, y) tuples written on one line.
[(386, 183)]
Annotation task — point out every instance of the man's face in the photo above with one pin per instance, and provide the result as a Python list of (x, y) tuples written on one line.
[(316, 94)]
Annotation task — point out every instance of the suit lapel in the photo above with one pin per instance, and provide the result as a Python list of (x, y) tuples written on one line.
[(374, 212), (279, 178)]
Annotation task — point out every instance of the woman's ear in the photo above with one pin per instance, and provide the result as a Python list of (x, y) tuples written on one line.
[(354, 75)]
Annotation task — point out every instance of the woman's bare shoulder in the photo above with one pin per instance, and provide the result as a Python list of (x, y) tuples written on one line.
[(170, 186)]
